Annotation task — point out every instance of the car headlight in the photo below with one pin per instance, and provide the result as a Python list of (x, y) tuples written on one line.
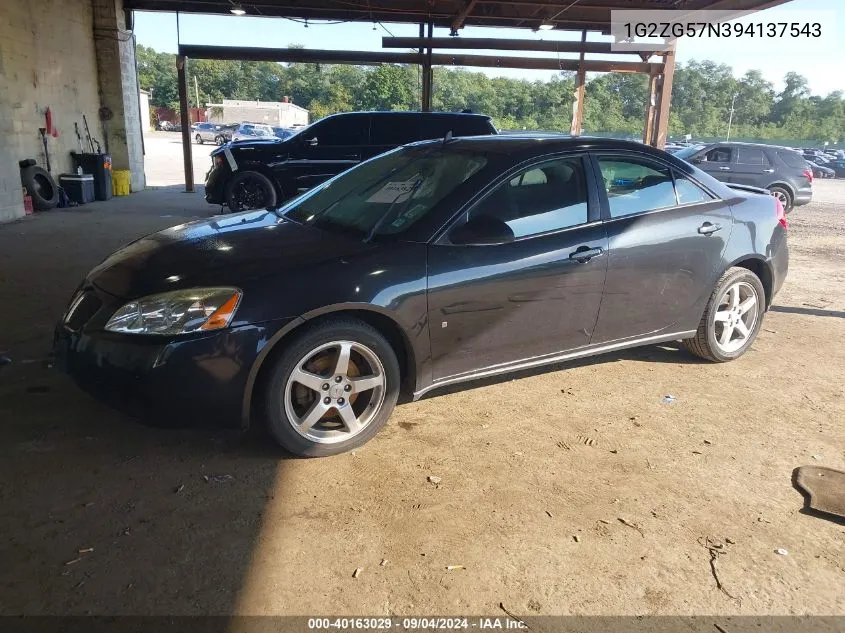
[(177, 312)]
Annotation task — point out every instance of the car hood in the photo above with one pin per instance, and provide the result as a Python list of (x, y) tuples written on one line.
[(226, 250)]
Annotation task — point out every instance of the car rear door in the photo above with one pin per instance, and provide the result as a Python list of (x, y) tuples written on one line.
[(388, 131), (327, 148), (666, 235), (527, 298), (751, 167)]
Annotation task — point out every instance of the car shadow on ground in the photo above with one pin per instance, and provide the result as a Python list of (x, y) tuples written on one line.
[(808, 311)]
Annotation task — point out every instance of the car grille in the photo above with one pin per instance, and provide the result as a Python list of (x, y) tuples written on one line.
[(82, 308)]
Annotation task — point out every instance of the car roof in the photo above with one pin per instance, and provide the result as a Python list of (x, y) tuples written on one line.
[(761, 145), (400, 113)]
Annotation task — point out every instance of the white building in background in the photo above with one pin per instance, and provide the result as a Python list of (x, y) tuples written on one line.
[(144, 100), (276, 113)]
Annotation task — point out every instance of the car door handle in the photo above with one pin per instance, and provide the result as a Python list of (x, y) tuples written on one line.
[(708, 229), (768, 171), (584, 254), (725, 168)]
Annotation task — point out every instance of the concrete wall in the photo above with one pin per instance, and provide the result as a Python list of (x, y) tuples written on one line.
[(118, 82), (269, 113), (47, 58)]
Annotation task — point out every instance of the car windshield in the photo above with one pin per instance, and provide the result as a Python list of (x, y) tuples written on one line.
[(388, 194), (686, 152)]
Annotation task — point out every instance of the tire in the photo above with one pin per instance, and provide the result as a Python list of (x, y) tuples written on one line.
[(199, 139), (706, 343), (41, 186), (219, 140), (286, 401), (249, 190), (783, 195)]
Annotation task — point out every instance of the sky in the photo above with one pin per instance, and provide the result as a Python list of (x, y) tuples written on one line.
[(820, 60)]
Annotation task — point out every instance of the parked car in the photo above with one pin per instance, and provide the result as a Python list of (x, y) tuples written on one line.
[(783, 172), (821, 171), (437, 263), (252, 131), (213, 133), (260, 174), (164, 126), (838, 167), (282, 133)]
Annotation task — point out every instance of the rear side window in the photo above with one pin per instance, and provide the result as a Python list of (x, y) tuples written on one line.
[(343, 130), (688, 191), (751, 156), (634, 186), (472, 126), (793, 159), (718, 155), (395, 129)]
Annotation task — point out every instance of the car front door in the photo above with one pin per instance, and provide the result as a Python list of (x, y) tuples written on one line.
[(752, 167), (717, 161), (535, 291), (666, 235), (326, 149)]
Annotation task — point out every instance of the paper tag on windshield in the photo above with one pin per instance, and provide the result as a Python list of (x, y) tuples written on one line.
[(395, 191)]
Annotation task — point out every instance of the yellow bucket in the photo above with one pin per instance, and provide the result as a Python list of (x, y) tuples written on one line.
[(120, 182)]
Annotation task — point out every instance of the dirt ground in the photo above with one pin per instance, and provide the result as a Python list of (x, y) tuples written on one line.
[(570, 490)]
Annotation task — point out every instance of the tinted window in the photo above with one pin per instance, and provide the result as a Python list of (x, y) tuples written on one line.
[(472, 126), (688, 191), (429, 127), (750, 156), (633, 186), (543, 198), (395, 129), (343, 130), (793, 159), (718, 155)]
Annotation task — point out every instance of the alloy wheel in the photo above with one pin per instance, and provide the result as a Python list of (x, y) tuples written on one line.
[(736, 317), (334, 392), (780, 195), (249, 194)]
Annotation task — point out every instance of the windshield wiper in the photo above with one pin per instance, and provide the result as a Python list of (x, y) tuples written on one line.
[(387, 213)]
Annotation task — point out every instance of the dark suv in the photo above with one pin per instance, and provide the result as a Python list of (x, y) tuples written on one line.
[(261, 173), (783, 172)]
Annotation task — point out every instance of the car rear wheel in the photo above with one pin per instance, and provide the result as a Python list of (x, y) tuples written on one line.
[(784, 196), (332, 389), (199, 139), (249, 190), (732, 319)]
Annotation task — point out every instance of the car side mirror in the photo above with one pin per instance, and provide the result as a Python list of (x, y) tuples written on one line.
[(312, 142), (482, 230)]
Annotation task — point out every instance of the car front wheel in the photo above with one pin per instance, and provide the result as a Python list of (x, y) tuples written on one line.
[(219, 139), (732, 319), (249, 190), (332, 389)]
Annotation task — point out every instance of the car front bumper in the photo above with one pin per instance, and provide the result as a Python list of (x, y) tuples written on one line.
[(215, 184), (188, 381)]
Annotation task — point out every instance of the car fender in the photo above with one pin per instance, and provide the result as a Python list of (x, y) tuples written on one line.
[(784, 184), (260, 168)]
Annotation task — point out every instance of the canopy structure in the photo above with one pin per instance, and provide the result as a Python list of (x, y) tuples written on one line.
[(576, 15)]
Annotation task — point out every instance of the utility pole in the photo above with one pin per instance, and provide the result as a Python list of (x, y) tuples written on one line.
[(730, 117)]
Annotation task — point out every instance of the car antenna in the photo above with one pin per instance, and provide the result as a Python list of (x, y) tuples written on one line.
[(447, 138)]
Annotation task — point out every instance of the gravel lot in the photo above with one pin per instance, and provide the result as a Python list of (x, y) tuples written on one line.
[(570, 490)]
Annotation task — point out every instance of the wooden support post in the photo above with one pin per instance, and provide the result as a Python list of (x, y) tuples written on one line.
[(428, 73), (578, 106), (664, 100), (650, 109), (181, 74)]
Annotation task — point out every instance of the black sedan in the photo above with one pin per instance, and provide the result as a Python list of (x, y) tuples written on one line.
[(436, 263), (838, 166)]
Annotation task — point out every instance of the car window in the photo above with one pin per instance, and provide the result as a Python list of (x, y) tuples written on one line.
[(472, 126), (387, 194), (793, 159), (543, 198), (688, 191), (718, 155), (397, 129), (634, 186), (750, 156), (342, 130)]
